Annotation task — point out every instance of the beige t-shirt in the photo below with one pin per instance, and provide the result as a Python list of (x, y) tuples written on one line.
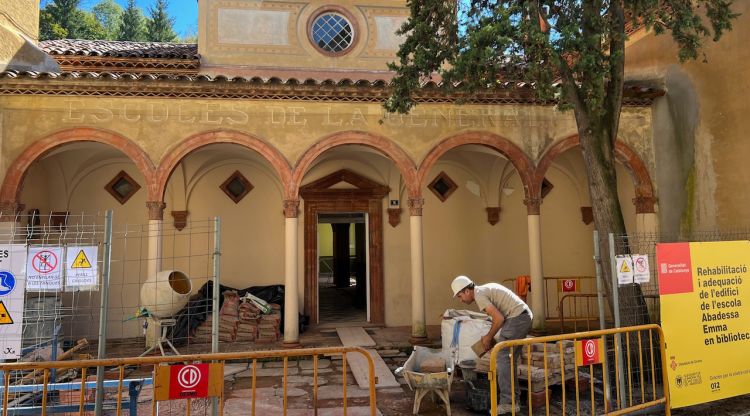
[(507, 302)]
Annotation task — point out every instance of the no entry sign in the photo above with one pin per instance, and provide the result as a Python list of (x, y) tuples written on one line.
[(188, 381)]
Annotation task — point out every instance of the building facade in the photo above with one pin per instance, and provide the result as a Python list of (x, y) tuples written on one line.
[(274, 122)]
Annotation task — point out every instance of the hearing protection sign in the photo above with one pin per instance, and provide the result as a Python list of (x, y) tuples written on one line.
[(12, 288), (81, 266), (704, 290)]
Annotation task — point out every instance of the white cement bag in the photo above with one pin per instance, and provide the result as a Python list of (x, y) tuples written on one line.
[(460, 329)]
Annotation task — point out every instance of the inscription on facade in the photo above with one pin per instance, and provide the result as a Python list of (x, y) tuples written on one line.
[(350, 116)]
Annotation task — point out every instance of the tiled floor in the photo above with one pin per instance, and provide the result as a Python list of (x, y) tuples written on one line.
[(335, 306)]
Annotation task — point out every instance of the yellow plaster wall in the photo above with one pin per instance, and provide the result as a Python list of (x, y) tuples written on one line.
[(721, 150), (156, 125), (23, 15), (276, 36)]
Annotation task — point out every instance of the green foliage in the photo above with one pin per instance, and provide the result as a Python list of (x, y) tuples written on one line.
[(132, 24), (581, 43), (61, 19), (108, 14), (159, 27)]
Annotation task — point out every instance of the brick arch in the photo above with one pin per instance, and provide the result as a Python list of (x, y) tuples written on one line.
[(644, 189), (515, 155), (384, 145), (13, 182), (175, 155)]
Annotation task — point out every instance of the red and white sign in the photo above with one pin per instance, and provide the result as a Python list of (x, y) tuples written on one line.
[(569, 285), (44, 269), (675, 268), (589, 351), (188, 381)]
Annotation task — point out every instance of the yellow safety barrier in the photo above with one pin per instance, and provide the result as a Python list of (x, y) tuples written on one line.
[(119, 364), (582, 308), (633, 389)]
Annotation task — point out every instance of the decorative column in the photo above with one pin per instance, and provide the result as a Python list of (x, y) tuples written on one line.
[(418, 325), (291, 291), (645, 214), (153, 263), (155, 223), (535, 261)]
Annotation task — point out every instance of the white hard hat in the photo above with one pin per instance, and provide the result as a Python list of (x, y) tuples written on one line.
[(459, 283)]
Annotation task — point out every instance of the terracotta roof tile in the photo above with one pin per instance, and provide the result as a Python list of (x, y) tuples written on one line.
[(120, 49)]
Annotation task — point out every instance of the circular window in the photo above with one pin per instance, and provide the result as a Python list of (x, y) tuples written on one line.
[(332, 32)]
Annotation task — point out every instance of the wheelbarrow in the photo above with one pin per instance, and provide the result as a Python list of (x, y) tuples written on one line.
[(433, 383)]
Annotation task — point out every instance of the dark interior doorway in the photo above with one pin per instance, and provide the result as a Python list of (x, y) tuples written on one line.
[(342, 270)]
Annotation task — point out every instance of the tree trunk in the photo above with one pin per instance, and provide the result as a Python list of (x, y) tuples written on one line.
[(598, 154)]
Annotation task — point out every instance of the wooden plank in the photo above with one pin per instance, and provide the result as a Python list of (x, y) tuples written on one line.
[(355, 336), (358, 364)]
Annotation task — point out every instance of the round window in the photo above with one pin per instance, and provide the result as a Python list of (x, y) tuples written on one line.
[(332, 32)]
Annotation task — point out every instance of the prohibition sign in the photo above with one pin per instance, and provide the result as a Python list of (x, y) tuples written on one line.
[(189, 376), (589, 348), (44, 262)]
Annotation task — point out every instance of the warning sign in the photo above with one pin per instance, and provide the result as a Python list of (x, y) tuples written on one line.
[(568, 285), (589, 352), (81, 267), (641, 272), (624, 270), (5, 318), (44, 269), (188, 381), (12, 290)]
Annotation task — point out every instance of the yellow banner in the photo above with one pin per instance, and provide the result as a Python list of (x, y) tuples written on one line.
[(705, 312)]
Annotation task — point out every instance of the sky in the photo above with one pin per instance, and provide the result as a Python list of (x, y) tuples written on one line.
[(185, 12)]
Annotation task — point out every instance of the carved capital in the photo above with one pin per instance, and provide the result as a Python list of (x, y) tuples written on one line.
[(587, 215), (10, 211), (155, 210), (644, 204), (415, 206), (493, 215), (394, 216), (291, 208), (533, 205), (180, 219)]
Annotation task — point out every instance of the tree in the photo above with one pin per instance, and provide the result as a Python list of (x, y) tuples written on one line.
[(159, 27), (63, 19), (132, 24), (580, 42), (108, 14)]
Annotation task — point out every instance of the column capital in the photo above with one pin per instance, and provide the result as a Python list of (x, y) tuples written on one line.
[(10, 211), (291, 208), (533, 205), (493, 215), (156, 210), (394, 216), (644, 204), (415, 206)]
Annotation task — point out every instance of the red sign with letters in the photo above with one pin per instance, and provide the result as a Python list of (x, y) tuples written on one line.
[(675, 268), (188, 381), (569, 285)]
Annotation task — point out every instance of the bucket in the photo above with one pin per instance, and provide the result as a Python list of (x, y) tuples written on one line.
[(40, 316), (478, 394), (166, 293)]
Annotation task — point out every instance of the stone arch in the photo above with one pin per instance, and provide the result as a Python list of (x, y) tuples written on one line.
[(644, 189), (170, 161), (384, 145), (515, 155), (13, 182)]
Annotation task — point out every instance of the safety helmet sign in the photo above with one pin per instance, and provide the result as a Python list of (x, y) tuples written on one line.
[(589, 351)]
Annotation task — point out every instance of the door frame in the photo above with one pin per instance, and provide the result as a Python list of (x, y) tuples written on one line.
[(366, 197)]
